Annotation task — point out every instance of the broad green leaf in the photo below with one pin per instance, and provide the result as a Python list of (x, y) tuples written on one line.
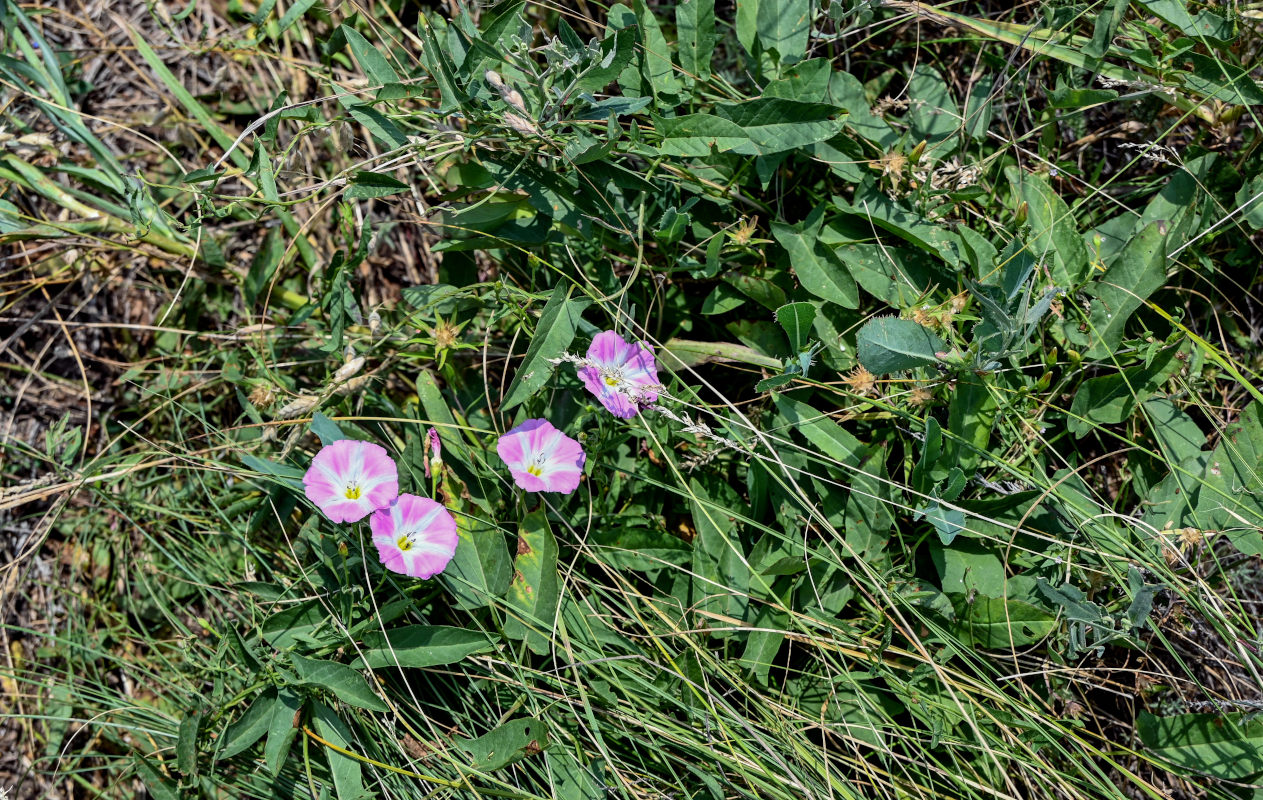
[(747, 24), (980, 105), (326, 429), (186, 744), (293, 13), (1180, 203), (1110, 399), (1054, 237), (932, 114), (1067, 97), (656, 56), (481, 570), (1179, 437), (1206, 25), (723, 299), (763, 644), (1137, 272), (970, 418), (263, 266), (846, 91), (947, 522), (759, 289), (783, 26), (807, 81), (1073, 601), (1250, 200), (929, 469), (969, 565), (507, 744), (294, 624), (774, 124), (535, 589), (370, 59), (1231, 494), (553, 334), (721, 575), (796, 319), (382, 129), (1142, 596), (553, 193), (638, 547), (348, 777), (763, 126), (573, 780), (436, 62), (617, 50), (249, 727), (1225, 746), (997, 623), (159, 786), (1171, 502), (437, 412), (820, 430), (283, 722), (680, 353), (695, 26), (504, 25), (890, 344), (898, 276), (875, 208), (816, 266), (421, 646), (1105, 27), (365, 184), (695, 135), (343, 682), (868, 506)]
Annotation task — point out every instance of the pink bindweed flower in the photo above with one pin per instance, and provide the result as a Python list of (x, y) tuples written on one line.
[(622, 375), (435, 457), (542, 458), (414, 536), (349, 480)]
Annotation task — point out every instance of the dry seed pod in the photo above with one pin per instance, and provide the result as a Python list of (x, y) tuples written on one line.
[(520, 124), (298, 406), (352, 386), (349, 369), (513, 98)]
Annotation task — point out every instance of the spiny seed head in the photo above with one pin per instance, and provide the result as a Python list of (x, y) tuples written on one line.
[(892, 163), (262, 395), (924, 318), (745, 230), (1189, 537), (921, 397), (861, 381), (445, 334)]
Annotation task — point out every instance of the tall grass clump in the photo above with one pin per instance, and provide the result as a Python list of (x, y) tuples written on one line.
[(780, 399)]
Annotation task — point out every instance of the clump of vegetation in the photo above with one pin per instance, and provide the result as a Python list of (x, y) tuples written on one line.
[(781, 400)]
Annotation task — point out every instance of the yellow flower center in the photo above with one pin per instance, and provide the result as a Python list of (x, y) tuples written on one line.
[(534, 470), (353, 492), (611, 380), (404, 542)]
